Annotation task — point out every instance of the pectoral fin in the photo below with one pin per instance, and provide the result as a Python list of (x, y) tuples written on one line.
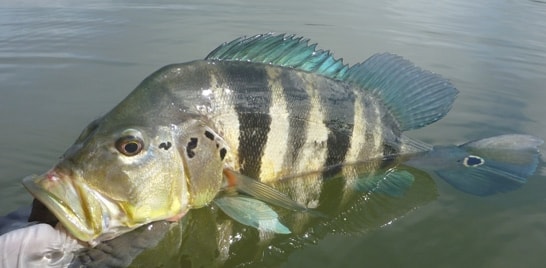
[(261, 191), (251, 212)]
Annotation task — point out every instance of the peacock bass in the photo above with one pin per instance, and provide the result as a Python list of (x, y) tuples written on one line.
[(255, 111)]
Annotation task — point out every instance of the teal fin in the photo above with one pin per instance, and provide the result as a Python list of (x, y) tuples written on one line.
[(266, 193), (251, 212), (393, 183), (286, 51), (414, 97), (486, 166), (413, 146)]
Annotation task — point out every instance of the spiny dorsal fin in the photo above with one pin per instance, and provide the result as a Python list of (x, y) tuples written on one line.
[(414, 97), (286, 51)]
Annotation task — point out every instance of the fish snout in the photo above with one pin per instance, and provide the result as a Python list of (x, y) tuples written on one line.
[(71, 204), (53, 175), (53, 178)]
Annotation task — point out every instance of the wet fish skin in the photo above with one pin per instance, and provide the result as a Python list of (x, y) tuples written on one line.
[(183, 105), (268, 107)]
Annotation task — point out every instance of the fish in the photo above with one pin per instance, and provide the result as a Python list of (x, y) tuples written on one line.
[(257, 110)]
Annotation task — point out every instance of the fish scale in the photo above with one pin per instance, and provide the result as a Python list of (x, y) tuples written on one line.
[(314, 153), (312, 105)]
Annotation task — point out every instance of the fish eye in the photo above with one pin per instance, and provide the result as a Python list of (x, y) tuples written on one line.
[(129, 145)]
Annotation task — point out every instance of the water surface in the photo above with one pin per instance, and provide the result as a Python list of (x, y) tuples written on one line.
[(64, 64)]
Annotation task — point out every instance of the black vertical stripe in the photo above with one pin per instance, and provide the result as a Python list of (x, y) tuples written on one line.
[(298, 106), (251, 101), (338, 102)]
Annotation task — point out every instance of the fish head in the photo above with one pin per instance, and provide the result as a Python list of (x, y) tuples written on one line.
[(152, 157), (117, 177)]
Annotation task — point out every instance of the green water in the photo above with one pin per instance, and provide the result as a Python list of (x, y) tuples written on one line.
[(64, 64)]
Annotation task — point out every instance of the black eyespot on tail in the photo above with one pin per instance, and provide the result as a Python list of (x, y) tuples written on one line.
[(209, 135), (473, 161), (191, 145), (223, 153), (165, 145)]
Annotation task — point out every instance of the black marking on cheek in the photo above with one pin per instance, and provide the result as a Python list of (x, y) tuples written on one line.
[(223, 153), (165, 145), (209, 135), (191, 145)]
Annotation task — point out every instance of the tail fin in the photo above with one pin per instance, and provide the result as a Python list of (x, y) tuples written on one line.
[(486, 166)]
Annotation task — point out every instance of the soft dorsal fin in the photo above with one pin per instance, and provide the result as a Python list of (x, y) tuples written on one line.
[(413, 96)]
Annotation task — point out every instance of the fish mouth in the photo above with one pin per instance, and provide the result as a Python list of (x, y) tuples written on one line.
[(85, 213)]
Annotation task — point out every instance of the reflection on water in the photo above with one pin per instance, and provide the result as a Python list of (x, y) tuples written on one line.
[(62, 66)]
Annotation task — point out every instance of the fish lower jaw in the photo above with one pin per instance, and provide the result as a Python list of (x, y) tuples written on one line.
[(86, 214)]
